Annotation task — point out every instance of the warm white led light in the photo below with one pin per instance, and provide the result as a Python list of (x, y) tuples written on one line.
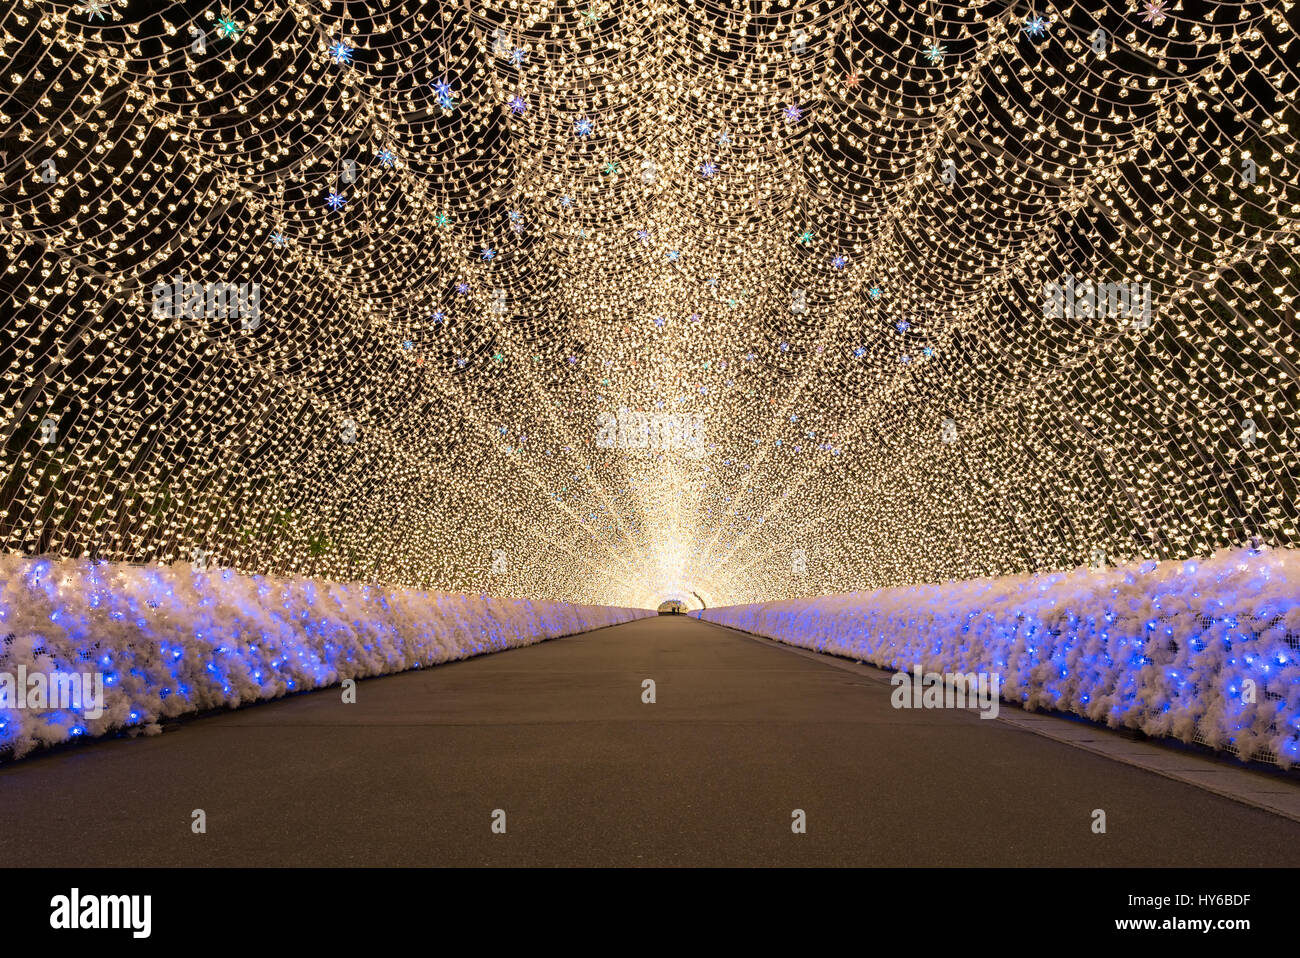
[(624, 302)]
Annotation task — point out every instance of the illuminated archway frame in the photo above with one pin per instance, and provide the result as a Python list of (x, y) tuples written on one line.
[(830, 140)]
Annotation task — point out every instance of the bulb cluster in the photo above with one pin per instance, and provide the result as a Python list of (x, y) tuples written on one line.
[(355, 290)]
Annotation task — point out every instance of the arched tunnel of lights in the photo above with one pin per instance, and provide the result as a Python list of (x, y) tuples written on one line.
[(624, 303)]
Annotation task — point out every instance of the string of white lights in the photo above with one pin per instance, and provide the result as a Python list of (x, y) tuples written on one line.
[(616, 303)]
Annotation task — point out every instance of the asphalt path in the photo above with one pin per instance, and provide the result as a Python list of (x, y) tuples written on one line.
[(556, 742)]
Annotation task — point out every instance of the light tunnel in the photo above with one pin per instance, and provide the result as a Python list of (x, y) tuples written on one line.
[(355, 351)]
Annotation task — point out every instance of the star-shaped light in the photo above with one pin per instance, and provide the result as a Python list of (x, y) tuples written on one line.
[(445, 94), (874, 292), (487, 254), (566, 201), (643, 235), (840, 261), (707, 169), (860, 351), (94, 7), (805, 237), (278, 238), (440, 219), (1035, 26), (335, 200), (610, 168), (518, 105), (462, 288), (386, 159), (1156, 12), (583, 127), (438, 316), (341, 52), (228, 27), (724, 138), (935, 53), (518, 56), (659, 321), (408, 344), (792, 113), (674, 255), (902, 325)]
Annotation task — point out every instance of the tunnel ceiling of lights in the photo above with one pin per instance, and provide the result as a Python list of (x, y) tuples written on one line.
[(619, 302)]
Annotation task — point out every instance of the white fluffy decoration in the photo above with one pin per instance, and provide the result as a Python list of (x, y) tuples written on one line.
[(171, 640), (1200, 649)]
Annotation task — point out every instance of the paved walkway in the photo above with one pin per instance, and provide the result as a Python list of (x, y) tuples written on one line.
[(557, 736)]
